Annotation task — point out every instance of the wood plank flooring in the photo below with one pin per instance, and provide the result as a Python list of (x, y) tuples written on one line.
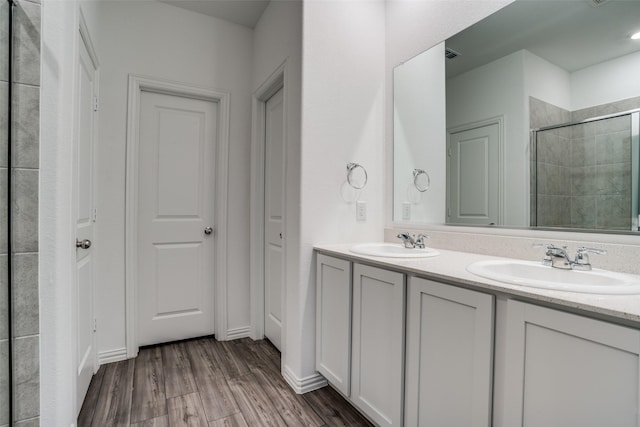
[(208, 383)]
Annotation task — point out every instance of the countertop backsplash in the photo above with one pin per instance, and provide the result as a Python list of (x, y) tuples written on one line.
[(621, 257)]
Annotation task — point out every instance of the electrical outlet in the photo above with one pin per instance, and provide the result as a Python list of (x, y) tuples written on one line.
[(361, 211), (406, 211)]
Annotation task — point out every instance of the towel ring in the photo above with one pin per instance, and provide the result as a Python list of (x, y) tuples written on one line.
[(417, 181), (351, 168)]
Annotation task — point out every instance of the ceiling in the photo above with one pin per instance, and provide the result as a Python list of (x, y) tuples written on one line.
[(572, 34), (242, 12)]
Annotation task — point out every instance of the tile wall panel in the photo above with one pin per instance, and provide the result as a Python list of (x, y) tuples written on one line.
[(24, 204)]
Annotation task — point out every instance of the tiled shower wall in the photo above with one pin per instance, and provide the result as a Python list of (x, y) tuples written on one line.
[(583, 171), (4, 307), (24, 206), (550, 166)]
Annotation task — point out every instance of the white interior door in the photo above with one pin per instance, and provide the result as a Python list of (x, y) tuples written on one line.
[(473, 176), (83, 174), (177, 143), (274, 218)]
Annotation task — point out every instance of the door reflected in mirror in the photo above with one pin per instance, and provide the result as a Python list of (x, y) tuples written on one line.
[(530, 66)]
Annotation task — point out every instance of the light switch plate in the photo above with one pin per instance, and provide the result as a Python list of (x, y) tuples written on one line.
[(361, 210), (406, 211)]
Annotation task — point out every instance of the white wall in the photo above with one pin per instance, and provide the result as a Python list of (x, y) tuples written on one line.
[(606, 82), (419, 129), (546, 81), (342, 121), (160, 41), (278, 41)]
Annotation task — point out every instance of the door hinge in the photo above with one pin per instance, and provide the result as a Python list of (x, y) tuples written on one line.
[(95, 324), (96, 103), (95, 214)]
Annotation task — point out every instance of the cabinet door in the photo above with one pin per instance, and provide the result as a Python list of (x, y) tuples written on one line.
[(333, 321), (378, 344), (449, 355), (568, 370)]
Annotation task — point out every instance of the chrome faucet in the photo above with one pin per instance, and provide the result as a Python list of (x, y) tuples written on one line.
[(557, 257), (412, 242)]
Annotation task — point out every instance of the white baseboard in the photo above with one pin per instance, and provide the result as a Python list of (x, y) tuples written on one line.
[(111, 356), (236, 333), (303, 385)]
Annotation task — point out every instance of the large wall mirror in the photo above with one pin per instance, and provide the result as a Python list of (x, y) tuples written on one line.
[(529, 118)]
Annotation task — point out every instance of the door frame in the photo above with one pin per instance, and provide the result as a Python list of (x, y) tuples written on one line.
[(498, 120), (138, 84), (273, 83)]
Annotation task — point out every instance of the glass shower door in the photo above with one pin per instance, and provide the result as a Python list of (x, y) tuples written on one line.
[(586, 174)]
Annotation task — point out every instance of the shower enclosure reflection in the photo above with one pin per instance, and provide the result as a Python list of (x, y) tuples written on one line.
[(585, 175)]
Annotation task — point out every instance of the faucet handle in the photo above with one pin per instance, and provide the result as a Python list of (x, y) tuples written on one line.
[(407, 240), (582, 256), (548, 247), (419, 239), (584, 250)]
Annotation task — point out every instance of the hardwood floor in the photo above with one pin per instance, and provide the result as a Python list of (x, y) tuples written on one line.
[(208, 383)]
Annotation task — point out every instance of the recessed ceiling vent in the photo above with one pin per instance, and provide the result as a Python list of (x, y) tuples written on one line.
[(450, 53), (596, 3)]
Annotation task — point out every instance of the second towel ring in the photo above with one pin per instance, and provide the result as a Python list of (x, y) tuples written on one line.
[(419, 181), (353, 180)]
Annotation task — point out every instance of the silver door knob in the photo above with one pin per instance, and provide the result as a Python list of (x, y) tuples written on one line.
[(83, 244), (208, 230)]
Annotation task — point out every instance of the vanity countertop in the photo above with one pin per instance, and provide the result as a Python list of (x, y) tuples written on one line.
[(450, 267)]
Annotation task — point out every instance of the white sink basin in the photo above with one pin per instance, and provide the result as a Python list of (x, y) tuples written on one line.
[(536, 275), (392, 250)]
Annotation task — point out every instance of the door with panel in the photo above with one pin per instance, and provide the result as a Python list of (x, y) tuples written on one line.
[(83, 194), (176, 178), (473, 176), (274, 188)]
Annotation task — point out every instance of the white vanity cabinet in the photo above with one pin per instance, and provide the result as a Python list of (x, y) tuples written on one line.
[(563, 370), (333, 321), (360, 335), (449, 355), (377, 369)]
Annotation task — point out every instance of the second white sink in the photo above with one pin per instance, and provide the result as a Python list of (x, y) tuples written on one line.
[(534, 274), (392, 250)]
